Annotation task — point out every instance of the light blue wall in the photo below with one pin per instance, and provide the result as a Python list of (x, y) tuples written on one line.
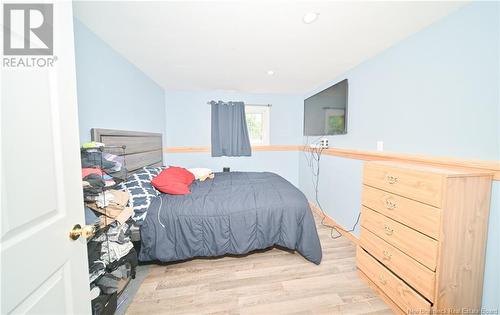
[(492, 281), (283, 163), (435, 93), (188, 116), (188, 124), (440, 86), (112, 92)]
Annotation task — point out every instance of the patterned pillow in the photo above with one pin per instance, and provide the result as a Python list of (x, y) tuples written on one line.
[(141, 192)]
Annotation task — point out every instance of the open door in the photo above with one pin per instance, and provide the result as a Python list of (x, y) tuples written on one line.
[(43, 271)]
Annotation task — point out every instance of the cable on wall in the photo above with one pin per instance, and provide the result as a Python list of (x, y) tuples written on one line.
[(313, 161)]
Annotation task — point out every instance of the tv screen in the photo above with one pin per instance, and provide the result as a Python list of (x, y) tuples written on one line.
[(325, 113)]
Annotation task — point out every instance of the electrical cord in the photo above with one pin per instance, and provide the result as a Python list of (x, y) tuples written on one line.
[(315, 157)]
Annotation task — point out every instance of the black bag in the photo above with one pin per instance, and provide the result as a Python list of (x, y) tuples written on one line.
[(104, 304)]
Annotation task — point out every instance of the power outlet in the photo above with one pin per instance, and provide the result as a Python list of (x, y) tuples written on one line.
[(380, 145)]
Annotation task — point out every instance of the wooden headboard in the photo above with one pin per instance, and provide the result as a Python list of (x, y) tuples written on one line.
[(142, 148)]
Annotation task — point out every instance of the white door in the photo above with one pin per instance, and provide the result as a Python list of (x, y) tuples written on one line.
[(42, 270)]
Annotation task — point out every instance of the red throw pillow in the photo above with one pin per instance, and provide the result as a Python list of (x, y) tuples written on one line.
[(180, 173), (173, 188), (173, 180)]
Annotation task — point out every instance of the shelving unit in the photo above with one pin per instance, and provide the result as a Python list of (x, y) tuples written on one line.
[(94, 157)]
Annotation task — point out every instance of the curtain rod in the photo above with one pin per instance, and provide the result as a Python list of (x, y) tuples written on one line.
[(267, 105)]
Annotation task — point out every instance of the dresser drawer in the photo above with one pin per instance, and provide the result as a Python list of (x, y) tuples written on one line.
[(416, 185), (396, 289), (408, 269), (415, 244), (417, 215)]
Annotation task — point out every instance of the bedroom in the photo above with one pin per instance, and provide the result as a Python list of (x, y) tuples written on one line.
[(393, 206)]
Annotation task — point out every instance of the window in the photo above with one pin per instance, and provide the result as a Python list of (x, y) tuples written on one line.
[(258, 124)]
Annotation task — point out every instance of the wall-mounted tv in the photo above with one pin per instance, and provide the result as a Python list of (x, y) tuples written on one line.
[(325, 113)]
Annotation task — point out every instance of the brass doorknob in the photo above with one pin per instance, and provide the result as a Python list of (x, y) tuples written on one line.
[(86, 231)]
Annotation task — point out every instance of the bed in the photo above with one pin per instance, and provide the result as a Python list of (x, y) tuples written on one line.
[(235, 213)]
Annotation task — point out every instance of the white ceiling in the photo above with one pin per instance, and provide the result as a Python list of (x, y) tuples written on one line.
[(224, 45)]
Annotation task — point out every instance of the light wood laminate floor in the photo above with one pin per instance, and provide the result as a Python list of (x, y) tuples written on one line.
[(266, 282)]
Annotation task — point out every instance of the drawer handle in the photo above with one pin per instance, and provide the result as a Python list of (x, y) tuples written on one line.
[(382, 280), (387, 255), (391, 179), (390, 204), (388, 230)]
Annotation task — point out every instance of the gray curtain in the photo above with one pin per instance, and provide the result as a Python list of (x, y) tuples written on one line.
[(229, 129)]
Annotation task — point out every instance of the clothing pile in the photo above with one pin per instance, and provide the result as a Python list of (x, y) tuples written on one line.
[(111, 256), (112, 262), (100, 169)]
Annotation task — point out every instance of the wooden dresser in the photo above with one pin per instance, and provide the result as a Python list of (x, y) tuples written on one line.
[(423, 236)]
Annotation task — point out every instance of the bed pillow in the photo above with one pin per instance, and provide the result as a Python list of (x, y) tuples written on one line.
[(180, 174), (202, 174), (141, 192), (173, 180), (173, 188)]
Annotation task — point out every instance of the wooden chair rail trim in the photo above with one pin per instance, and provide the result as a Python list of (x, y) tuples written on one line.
[(186, 149), (201, 149), (490, 166)]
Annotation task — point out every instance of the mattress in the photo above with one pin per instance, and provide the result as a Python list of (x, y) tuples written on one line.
[(235, 213)]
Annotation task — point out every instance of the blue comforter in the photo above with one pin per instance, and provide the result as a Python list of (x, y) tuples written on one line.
[(234, 213)]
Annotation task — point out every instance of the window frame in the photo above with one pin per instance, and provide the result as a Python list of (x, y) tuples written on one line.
[(265, 111)]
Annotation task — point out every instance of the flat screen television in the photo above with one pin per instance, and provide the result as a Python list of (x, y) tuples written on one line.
[(325, 113)]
